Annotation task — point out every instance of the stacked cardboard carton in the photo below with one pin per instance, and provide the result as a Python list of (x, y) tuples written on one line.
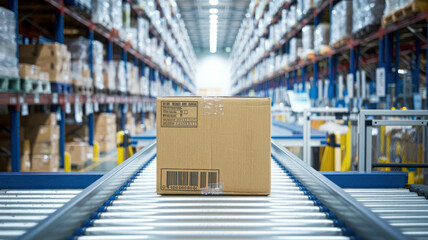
[(130, 123), (53, 58), (80, 153), (105, 131), (43, 134)]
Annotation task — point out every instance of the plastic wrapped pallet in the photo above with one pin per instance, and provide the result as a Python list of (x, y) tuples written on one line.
[(292, 17), (98, 61), (130, 35), (8, 60), (366, 13), (116, 14), (392, 5), (109, 76), (101, 13), (80, 72), (341, 26), (144, 82), (322, 38), (120, 76), (142, 34), (308, 41), (295, 48), (126, 14)]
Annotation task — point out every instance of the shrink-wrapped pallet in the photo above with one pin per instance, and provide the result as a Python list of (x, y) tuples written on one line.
[(341, 26), (322, 38), (366, 13)]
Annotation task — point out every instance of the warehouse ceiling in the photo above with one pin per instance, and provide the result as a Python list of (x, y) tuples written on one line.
[(196, 15)]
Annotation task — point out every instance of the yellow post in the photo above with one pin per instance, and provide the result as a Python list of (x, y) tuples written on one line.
[(67, 162), (120, 149), (96, 151), (382, 139)]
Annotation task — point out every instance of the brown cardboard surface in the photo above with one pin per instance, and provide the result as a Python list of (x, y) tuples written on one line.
[(78, 152), (44, 133), (224, 140), (45, 163), (37, 119), (28, 71), (46, 148)]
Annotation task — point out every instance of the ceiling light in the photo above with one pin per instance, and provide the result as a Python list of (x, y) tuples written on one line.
[(213, 16), (213, 2), (213, 10)]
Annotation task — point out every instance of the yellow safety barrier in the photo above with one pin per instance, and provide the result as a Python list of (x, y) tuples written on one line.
[(120, 149), (67, 162), (346, 163), (96, 151)]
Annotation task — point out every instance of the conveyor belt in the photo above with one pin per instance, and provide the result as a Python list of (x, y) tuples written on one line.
[(21, 210), (138, 213), (123, 205), (401, 208)]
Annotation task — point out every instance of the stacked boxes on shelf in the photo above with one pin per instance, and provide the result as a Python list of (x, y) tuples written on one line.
[(105, 131), (98, 62), (366, 16), (109, 76), (101, 13), (80, 153), (53, 58), (130, 125), (8, 60), (120, 76), (133, 79), (341, 25), (80, 72), (322, 39), (43, 134)]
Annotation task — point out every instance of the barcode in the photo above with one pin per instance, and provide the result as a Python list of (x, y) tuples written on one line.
[(189, 180)]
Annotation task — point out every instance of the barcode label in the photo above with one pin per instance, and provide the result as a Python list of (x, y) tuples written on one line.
[(188, 179)]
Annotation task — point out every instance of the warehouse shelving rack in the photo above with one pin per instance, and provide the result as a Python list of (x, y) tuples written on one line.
[(384, 58), (62, 100)]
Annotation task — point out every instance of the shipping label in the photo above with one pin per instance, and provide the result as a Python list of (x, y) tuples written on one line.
[(179, 114)]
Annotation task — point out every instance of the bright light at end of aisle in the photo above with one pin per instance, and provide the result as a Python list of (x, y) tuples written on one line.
[(213, 2), (213, 32), (213, 10)]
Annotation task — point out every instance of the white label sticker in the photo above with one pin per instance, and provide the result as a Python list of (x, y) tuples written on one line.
[(12, 100), (67, 108), (363, 85), (350, 85), (24, 109), (380, 82), (36, 98), (96, 107), (54, 98), (340, 87)]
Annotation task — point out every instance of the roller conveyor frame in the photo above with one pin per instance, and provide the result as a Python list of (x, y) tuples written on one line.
[(63, 222)]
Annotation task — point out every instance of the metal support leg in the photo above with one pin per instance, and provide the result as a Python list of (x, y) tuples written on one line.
[(361, 145), (15, 138), (62, 137), (59, 27), (109, 55), (397, 60), (307, 138), (91, 129), (416, 67), (122, 117)]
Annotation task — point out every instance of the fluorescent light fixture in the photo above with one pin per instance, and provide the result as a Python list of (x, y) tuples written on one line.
[(213, 17), (213, 10), (213, 2)]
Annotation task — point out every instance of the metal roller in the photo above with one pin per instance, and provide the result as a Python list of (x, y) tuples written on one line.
[(288, 211), (21, 210), (406, 210)]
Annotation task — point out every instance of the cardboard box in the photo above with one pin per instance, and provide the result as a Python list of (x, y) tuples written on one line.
[(78, 152), (105, 119), (29, 71), (45, 148), (45, 163), (44, 133), (212, 145)]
